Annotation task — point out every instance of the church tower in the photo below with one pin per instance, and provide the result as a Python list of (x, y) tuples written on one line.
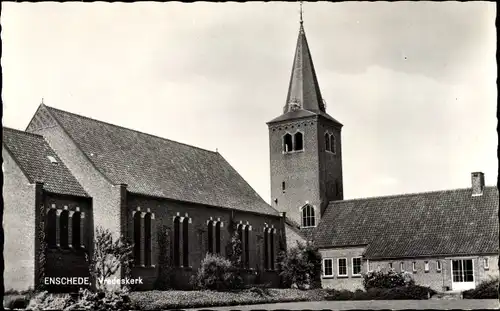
[(305, 146)]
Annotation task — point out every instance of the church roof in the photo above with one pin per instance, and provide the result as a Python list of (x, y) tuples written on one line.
[(450, 222), (303, 91), (40, 163), (159, 167)]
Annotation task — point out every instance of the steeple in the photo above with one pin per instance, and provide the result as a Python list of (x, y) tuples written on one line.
[(303, 92)]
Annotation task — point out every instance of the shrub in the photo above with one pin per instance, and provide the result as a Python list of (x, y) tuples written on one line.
[(46, 301), (16, 302), (215, 273), (395, 293), (301, 267), (485, 290), (391, 279)]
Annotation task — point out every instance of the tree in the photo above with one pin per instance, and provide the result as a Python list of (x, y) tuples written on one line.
[(301, 266)]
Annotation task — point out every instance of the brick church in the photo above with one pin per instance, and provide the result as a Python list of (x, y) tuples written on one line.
[(67, 174)]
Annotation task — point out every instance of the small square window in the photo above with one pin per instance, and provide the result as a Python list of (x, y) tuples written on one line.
[(342, 266), (426, 266), (328, 267), (486, 264)]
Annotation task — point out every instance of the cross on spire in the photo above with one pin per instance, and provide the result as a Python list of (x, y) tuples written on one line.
[(301, 21)]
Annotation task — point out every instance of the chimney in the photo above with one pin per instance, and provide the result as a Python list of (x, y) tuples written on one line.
[(477, 183)]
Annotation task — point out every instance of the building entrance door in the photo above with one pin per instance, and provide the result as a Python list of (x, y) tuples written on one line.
[(462, 274)]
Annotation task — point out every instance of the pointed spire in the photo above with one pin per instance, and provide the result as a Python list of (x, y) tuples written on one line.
[(303, 91)]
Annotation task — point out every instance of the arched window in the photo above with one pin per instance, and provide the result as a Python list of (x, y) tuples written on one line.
[(210, 237), (287, 143), (147, 239), (137, 238), (327, 142), (63, 229), (185, 242), (247, 249), (176, 244), (266, 249), (271, 237), (332, 144), (308, 219), (299, 141), (51, 228), (217, 237), (76, 239)]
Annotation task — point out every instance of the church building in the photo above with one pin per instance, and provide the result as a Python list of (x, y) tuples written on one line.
[(447, 239)]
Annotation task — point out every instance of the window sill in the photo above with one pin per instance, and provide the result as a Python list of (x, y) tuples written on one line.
[(342, 277), (292, 152), (438, 271), (486, 268), (426, 271)]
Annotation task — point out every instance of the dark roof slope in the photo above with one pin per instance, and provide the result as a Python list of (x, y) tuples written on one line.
[(31, 152), (159, 167), (450, 222)]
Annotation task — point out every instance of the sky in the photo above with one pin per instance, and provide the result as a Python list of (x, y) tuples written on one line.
[(413, 83)]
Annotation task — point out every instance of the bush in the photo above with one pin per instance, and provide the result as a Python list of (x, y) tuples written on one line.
[(216, 273), (391, 279), (414, 292), (485, 290), (16, 302), (301, 267), (46, 301)]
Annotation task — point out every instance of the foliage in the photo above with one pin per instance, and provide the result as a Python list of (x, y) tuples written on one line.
[(391, 279), (167, 300), (414, 292), (164, 280), (301, 266), (109, 254), (86, 300), (16, 301), (235, 252), (42, 249), (485, 290), (216, 273)]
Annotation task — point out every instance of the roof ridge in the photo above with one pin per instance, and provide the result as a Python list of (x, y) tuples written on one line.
[(129, 129), (22, 132), (407, 194)]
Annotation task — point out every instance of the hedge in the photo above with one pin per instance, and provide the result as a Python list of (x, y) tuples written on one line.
[(486, 290), (412, 292)]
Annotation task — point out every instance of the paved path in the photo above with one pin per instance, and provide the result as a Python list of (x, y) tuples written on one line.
[(371, 304)]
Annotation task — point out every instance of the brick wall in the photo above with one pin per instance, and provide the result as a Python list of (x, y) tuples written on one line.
[(349, 282), (19, 227), (164, 212)]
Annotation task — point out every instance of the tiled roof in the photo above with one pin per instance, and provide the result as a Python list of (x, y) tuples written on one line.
[(31, 153), (450, 222), (159, 167)]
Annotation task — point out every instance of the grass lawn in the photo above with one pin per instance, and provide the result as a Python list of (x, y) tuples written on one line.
[(161, 300)]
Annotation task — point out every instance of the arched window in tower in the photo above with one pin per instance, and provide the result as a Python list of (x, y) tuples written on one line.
[(137, 238), (75, 226), (176, 244), (308, 219), (210, 237), (147, 239), (185, 242), (327, 142), (299, 141), (287, 143), (217, 237), (332, 144), (63, 229), (51, 228)]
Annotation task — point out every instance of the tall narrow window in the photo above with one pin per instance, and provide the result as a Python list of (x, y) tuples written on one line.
[(390, 265), (76, 239), (266, 249), (287, 143), (332, 144), (271, 238), (240, 237), (63, 229), (308, 219), (210, 237), (283, 186), (185, 242), (401, 266), (438, 266), (342, 267), (217, 237), (414, 266), (51, 228), (137, 238), (299, 141), (328, 267), (147, 239), (486, 263), (356, 266), (247, 249), (176, 244), (327, 142), (426, 266)]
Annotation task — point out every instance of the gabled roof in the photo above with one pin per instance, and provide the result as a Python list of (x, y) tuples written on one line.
[(31, 152), (159, 167), (450, 222)]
